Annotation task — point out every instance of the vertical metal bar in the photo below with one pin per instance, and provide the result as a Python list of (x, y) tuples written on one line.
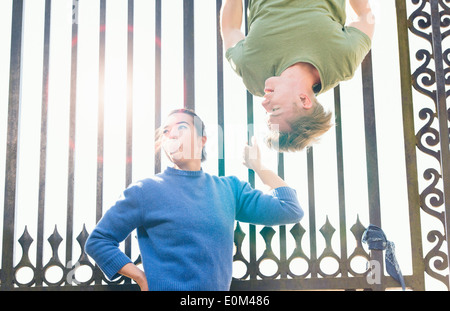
[(9, 213), (283, 250), (157, 78), (371, 141), (220, 96), (341, 184), (43, 152), (410, 148), (101, 110), (189, 68), (129, 134), (372, 155), (312, 212), (442, 115), (251, 180), (72, 145), (101, 122), (129, 124), (251, 174)]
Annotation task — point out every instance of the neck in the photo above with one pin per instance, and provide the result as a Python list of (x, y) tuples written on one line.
[(189, 166), (305, 74)]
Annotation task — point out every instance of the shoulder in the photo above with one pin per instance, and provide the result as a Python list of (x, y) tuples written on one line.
[(145, 184)]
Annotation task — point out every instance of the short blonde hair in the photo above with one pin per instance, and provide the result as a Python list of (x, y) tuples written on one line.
[(306, 131)]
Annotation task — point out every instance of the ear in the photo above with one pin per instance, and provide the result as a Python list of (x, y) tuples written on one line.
[(306, 102), (204, 139)]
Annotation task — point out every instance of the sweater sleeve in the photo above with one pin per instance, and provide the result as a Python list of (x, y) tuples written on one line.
[(117, 223), (278, 207)]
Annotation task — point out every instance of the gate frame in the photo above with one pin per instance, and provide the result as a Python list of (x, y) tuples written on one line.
[(253, 281)]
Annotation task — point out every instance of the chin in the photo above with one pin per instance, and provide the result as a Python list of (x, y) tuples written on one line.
[(181, 161), (281, 129)]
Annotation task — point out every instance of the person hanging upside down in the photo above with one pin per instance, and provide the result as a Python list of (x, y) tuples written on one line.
[(295, 50)]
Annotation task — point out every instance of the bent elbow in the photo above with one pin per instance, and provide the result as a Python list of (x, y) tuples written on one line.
[(297, 214), (293, 214), (92, 246), (89, 246), (300, 214)]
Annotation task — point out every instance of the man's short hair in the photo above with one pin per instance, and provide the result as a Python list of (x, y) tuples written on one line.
[(306, 131)]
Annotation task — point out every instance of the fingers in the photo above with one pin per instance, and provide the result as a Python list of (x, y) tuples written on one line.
[(245, 157), (253, 149), (254, 141), (251, 155), (246, 154)]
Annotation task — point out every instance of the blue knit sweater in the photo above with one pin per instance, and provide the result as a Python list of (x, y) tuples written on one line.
[(185, 222)]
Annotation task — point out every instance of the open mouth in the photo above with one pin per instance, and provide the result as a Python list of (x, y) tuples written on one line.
[(172, 146), (266, 101)]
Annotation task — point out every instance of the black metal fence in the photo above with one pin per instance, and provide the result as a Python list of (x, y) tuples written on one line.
[(286, 247)]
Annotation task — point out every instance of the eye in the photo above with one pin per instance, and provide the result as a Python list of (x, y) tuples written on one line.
[(182, 127)]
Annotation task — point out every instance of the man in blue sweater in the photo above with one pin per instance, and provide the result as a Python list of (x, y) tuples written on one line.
[(185, 217)]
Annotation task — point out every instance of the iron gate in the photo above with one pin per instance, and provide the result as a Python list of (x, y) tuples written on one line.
[(428, 20)]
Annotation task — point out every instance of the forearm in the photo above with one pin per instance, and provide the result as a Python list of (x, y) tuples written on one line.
[(231, 16), (269, 178), (231, 22), (365, 20), (361, 7)]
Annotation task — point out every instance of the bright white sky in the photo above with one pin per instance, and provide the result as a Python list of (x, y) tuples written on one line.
[(395, 219)]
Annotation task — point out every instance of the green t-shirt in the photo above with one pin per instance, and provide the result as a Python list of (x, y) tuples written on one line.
[(284, 32)]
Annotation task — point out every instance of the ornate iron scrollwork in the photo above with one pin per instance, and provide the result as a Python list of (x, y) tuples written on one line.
[(424, 81)]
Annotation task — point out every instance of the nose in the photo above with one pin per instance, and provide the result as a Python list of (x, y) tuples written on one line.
[(173, 133)]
